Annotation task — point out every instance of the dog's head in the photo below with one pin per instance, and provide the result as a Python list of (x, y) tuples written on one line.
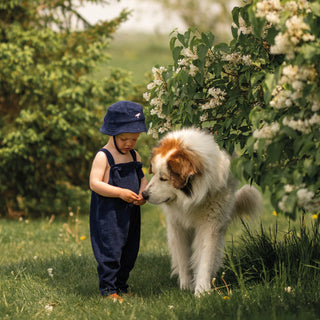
[(173, 167)]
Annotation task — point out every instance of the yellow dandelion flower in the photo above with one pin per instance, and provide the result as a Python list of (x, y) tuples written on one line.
[(226, 298), (274, 213), (315, 216), (83, 238)]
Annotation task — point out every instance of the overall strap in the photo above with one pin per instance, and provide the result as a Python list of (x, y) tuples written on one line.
[(109, 156), (133, 154)]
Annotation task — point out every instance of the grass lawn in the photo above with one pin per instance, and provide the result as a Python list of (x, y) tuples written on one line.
[(48, 272), (137, 53)]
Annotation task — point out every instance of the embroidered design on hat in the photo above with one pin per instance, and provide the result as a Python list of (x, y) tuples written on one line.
[(138, 115)]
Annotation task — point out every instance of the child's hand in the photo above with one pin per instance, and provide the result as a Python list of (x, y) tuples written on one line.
[(140, 202), (129, 196)]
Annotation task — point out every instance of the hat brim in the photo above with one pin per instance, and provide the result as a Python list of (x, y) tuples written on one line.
[(114, 130)]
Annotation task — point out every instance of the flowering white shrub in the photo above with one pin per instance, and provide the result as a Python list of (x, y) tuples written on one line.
[(260, 92)]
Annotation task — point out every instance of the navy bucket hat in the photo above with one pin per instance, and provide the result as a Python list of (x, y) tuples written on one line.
[(124, 116)]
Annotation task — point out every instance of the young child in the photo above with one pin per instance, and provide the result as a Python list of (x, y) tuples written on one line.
[(117, 181)]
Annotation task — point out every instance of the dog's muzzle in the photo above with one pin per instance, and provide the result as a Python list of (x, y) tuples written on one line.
[(145, 195)]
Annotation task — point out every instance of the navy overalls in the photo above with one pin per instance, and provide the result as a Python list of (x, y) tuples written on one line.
[(115, 227)]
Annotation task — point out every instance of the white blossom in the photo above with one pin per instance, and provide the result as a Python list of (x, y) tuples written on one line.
[(306, 201), (204, 117), (282, 99), (304, 196), (48, 308), (297, 78), (183, 62), (147, 96), (282, 204), (290, 71), (314, 120), (157, 72), (50, 272), (297, 125), (315, 103), (267, 131), (154, 133), (273, 17), (151, 85), (247, 60), (308, 37), (243, 28), (193, 70), (236, 57), (218, 96), (289, 188), (188, 53), (302, 125), (283, 45), (288, 290), (156, 102), (265, 7), (216, 92)]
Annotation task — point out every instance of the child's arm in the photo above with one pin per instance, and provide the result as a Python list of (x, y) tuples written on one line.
[(99, 167), (143, 185), (141, 200)]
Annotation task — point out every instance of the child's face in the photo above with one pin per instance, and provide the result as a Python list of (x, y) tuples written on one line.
[(127, 141)]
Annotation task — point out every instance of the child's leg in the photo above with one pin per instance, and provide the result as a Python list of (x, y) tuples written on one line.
[(130, 251), (108, 237)]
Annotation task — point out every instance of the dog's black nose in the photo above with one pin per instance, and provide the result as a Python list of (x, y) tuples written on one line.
[(145, 195)]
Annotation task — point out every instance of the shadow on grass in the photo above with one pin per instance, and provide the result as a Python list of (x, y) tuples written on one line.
[(76, 274), (151, 275)]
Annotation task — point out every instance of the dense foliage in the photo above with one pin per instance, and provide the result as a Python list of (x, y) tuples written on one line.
[(259, 93), (50, 106)]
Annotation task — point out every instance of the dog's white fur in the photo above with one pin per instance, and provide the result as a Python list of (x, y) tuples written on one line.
[(193, 184)]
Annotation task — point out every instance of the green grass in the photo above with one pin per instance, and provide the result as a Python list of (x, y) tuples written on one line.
[(137, 53), (258, 283)]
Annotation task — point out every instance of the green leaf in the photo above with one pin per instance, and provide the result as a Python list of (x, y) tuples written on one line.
[(269, 84), (223, 47), (172, 43), (207, 38), (234, 32), (274, 151), (257, 23), (176, 54), (315, 7), (202, 51), (235, 15), (271, 34), (310, 51), (309, 166), (184, 38), (291, 202)]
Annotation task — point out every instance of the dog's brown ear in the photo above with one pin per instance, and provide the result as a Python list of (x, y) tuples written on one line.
[(150, 168), (182, 165)]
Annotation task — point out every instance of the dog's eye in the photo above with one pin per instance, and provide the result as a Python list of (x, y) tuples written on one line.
[(163, 179)]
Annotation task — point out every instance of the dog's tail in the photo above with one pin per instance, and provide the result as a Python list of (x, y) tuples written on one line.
[(248, 202)]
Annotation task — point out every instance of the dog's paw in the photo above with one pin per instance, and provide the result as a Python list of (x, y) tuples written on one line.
[(186, 283), (201, 290), (202, 293)]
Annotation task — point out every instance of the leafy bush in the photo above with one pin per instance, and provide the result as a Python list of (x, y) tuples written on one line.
[(50, 106), (259, 92)]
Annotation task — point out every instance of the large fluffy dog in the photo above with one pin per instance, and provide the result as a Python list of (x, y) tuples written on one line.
[(193, 184)]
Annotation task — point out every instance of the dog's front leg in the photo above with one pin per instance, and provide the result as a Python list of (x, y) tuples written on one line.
[(208, 254), (180, 249)]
